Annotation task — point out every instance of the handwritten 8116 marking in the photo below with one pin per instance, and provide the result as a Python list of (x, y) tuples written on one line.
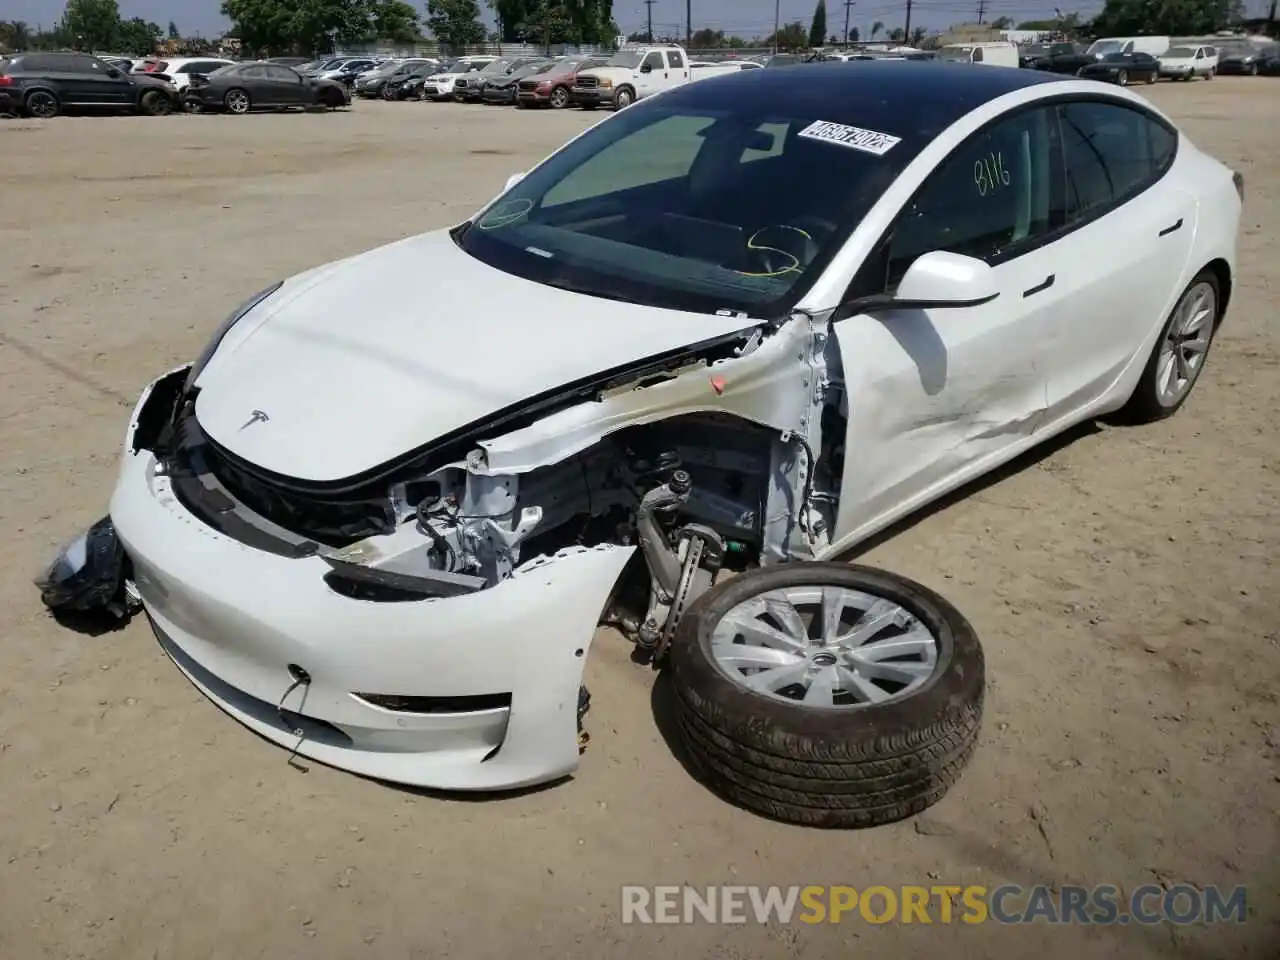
[(989, 173)]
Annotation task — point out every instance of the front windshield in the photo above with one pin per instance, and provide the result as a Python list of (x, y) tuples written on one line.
[(1180, 53), (385, 68), (624, 58), (697, 201), (498, 66), (1235, 49), (1103, 47)]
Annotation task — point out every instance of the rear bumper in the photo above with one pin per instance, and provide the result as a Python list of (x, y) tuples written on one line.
[(497, 672)]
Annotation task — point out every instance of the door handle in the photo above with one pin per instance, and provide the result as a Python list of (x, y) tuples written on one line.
[(1041, 287), (1168, 230)]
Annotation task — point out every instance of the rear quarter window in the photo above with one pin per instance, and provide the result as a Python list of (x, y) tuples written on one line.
[(1112, 152)]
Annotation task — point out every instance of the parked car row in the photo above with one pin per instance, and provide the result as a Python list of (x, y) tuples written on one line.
[(1124, 59)]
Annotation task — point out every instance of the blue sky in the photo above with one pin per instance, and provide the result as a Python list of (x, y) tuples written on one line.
[(743, 17)]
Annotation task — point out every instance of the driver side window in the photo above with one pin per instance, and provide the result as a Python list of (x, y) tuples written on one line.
[(997, 194)]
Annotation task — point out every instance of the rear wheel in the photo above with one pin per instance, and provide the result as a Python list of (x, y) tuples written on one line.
[(827, 694), (1179, 355), (155, 103), (42, 104), (559, 98), (1122, 78), (237, 101)]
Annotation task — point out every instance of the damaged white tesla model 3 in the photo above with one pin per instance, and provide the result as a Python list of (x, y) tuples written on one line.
[(745, 323)]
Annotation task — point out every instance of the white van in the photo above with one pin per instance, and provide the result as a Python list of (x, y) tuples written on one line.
[(995, 53), (1155, 46)]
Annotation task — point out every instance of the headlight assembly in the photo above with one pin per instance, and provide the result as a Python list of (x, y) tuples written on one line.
[(223, 329)]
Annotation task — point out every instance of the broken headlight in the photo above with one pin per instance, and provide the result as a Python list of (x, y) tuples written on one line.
[(224, 328)]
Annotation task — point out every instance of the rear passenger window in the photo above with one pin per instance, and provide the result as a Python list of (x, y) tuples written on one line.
[(677, 61), (1112, 153)]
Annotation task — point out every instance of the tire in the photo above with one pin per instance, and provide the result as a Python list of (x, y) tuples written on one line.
[(388, 93), (559, 98), (624, 98), (190, 105), (1149, 401), (42, 104), (1253, 69), (154, 103), (1151, 78), (237, 101), (1213, 72), (1122, 78), (839, 766), (589, 106)]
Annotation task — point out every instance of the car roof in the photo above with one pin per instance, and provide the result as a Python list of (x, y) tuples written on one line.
[(920, 97)]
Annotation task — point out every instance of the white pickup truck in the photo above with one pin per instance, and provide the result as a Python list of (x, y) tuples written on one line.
[(631, 73)]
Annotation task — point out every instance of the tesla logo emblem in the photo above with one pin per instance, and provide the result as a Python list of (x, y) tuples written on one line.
[(257, 416)]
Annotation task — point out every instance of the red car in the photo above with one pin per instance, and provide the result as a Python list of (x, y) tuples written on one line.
[(552, 88)]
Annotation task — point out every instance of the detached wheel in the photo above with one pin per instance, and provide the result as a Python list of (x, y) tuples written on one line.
[(827, 694), (154, 103), (559, 98), (42, 104), (1179, 355), (237, 102)]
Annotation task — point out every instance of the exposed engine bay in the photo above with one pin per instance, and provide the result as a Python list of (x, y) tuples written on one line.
[(698, 491)]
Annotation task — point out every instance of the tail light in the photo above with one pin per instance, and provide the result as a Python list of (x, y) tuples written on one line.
[(1236, 177), (5, 81)]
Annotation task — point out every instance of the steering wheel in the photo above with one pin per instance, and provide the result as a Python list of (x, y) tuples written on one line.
[(783, 248)]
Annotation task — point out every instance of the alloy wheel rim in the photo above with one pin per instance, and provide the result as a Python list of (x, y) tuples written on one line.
[(825, 647), (42, 105), (238, 102), (1185, 344)]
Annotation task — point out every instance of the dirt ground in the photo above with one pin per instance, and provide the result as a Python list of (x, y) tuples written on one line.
[(1123, 584)]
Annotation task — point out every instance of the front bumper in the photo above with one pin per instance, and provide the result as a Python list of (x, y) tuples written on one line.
[(499, 95), (1235, 67), (591, 96), (506, 662), (1176, 73)]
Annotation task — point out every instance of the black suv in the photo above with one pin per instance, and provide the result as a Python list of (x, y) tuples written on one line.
[(45, 84)]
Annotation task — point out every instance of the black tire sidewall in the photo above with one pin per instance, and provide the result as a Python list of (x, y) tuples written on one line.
[(725, 704), (57, 104), (1144, 406)]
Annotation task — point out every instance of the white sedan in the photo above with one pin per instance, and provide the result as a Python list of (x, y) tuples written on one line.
[(741, 326)]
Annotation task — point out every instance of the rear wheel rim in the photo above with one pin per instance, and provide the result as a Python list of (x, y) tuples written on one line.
[(854, 650), (238, 102), (1186, 344), (42, 105), (1122, 78)]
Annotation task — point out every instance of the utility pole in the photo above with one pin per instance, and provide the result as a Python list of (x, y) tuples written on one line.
[(777, 22), (906, 28), (688, 24), (982, 10), (649, 6), (848, 7)]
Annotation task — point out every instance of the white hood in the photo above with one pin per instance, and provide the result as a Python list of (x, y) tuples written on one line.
[(358, 362)]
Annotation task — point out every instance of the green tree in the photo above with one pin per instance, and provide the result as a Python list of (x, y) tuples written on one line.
[(793, 36), (510, 14), (897, 35), (1176, 17), (92, 24), (550, 22), (1002, 23), (311, 26), (14, 35), (706, 39), (917, 35), (818, 26), (853, 36), (455, 23), (174, 33), (876, 28), (136, 36)]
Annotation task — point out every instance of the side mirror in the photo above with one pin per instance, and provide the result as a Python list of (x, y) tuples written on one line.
[(935, 281), (646, 68), (512, 181)]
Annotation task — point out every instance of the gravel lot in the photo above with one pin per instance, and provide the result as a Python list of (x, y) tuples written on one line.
[(1123, 584)]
